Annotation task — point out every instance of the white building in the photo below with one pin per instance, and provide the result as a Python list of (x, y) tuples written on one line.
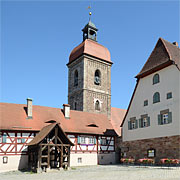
[(151, 126)]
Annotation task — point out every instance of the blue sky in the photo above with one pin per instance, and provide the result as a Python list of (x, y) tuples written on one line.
[(38, 36)]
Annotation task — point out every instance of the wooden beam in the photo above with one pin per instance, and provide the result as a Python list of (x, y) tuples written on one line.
[(55, 144), (56, 134)]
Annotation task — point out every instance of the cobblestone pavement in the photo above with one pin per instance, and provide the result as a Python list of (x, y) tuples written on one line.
[(112, 172)]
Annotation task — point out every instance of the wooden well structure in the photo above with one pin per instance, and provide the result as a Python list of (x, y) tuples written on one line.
[(49, 149)]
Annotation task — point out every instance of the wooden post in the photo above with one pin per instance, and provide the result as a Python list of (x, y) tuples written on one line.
[(39, 158), (68, 156), (48, 160), (61, 156)]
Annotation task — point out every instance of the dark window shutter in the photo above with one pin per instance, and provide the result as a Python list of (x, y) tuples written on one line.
[(148, 120), (78, 140), (94, 140), (169, 117), (136, 123), (159, 119), (140, 123), (129, 125)]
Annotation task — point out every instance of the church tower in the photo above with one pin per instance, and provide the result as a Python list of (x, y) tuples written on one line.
[(89, 78)]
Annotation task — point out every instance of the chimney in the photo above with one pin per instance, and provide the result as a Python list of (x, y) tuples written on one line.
[(66, 109), (175, 43), (29, 108)]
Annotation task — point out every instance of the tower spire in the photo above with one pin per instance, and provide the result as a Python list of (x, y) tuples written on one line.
[(90, 30)]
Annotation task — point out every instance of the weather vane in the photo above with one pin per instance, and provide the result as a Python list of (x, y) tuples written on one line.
[(89, 7)]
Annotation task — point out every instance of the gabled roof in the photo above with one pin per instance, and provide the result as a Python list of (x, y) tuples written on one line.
[(44, 132), (14, 117), (91, 48), (163, 55)]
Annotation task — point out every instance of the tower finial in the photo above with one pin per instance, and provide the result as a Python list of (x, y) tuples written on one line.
[(89, 7)]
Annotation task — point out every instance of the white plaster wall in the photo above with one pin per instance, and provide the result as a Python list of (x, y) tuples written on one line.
[(169, 82), (109, 158), (15, 162), (87, 159)]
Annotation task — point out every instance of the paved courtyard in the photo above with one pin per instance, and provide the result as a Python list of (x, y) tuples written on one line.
[(112, 172)]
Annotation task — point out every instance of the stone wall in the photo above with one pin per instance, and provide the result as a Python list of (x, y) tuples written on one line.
[(86, 93), (165, 147)]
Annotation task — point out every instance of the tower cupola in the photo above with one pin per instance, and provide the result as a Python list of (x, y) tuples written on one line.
[(90, 31)]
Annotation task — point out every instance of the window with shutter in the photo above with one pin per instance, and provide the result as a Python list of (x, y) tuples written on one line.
[(165, 117)]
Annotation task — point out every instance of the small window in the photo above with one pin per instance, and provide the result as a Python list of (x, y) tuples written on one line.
[(169, 95), (97, 105), (5, 160), (156, 79), (103, 141), (146, 103), (22, 140), (76, 78), (4, 138), (156, 97), (81, 140), (165, 118), (97, 77), (151, 153), (79, 160), (92, 140), (18, 140), (144, 122)]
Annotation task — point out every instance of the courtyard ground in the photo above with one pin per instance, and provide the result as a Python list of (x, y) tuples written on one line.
[(108, 172)]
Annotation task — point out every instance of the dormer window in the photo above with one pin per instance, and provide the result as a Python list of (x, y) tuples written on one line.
[(156, 79), (76, 78), (97, 77)]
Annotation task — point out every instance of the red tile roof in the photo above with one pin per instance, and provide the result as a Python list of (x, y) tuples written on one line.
[(117, 116), (91, 48), (163, 55), (14, 117)]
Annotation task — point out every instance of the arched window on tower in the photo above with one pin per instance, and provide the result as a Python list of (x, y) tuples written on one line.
[(97, 77), (76, 78), (75, 106), (97, 105)]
